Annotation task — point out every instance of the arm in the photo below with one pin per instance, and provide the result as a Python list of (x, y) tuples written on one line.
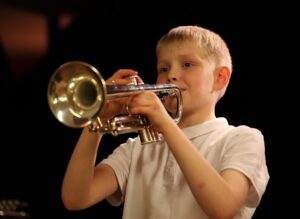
[(84, 183), (220, 195)]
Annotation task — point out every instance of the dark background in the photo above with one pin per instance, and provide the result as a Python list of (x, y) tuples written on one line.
[(35, 147)]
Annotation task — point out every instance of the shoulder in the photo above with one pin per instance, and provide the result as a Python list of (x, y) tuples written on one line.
[(245, 138), (125, 148), (245, 131)]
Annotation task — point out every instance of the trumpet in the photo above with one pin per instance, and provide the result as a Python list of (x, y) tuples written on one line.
[(77, 93)]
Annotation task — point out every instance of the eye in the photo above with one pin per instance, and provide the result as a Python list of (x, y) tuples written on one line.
[(187, 65), (162, 70)]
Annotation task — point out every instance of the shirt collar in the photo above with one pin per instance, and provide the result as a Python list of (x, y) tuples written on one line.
[(205, 127)]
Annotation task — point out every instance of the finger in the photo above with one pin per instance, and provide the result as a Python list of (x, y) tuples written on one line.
[(124, 73), (121, 77), (139, 80)]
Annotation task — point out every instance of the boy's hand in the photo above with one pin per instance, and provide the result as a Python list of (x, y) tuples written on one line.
[(114, 107), (148, 103)]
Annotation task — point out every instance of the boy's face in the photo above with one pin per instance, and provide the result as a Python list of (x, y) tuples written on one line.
[(181, 63)]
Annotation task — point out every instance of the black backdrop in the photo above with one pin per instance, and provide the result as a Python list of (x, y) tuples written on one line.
[(35, 148)]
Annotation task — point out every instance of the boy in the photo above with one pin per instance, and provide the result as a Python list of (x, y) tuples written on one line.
[(203, 168)]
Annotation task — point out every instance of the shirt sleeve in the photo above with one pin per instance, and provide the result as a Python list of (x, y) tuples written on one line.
[(245, 151), (120, 160)]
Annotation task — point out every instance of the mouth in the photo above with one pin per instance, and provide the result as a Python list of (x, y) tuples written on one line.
[(182, 89)]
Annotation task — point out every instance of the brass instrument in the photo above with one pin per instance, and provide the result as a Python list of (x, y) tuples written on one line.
[(77, 93)]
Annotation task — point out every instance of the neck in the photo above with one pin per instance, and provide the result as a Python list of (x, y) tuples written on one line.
[(193, 119)]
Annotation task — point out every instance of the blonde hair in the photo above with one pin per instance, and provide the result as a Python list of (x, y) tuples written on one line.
[(212, 46)]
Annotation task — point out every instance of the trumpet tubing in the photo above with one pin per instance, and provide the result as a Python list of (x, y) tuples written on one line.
[(77, 93)]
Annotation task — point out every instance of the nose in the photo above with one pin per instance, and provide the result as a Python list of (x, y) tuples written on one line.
[(173, 75)]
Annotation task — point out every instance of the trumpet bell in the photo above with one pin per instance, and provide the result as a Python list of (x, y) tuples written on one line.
[(74, 95)]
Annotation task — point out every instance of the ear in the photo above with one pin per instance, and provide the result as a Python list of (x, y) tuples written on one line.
[(222, 77)]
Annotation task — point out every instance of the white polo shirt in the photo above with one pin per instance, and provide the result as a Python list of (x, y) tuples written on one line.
[(153, 186)]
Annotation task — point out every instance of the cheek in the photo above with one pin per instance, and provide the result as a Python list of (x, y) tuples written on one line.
[(200, 83), (161, 79), (193, 83)]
